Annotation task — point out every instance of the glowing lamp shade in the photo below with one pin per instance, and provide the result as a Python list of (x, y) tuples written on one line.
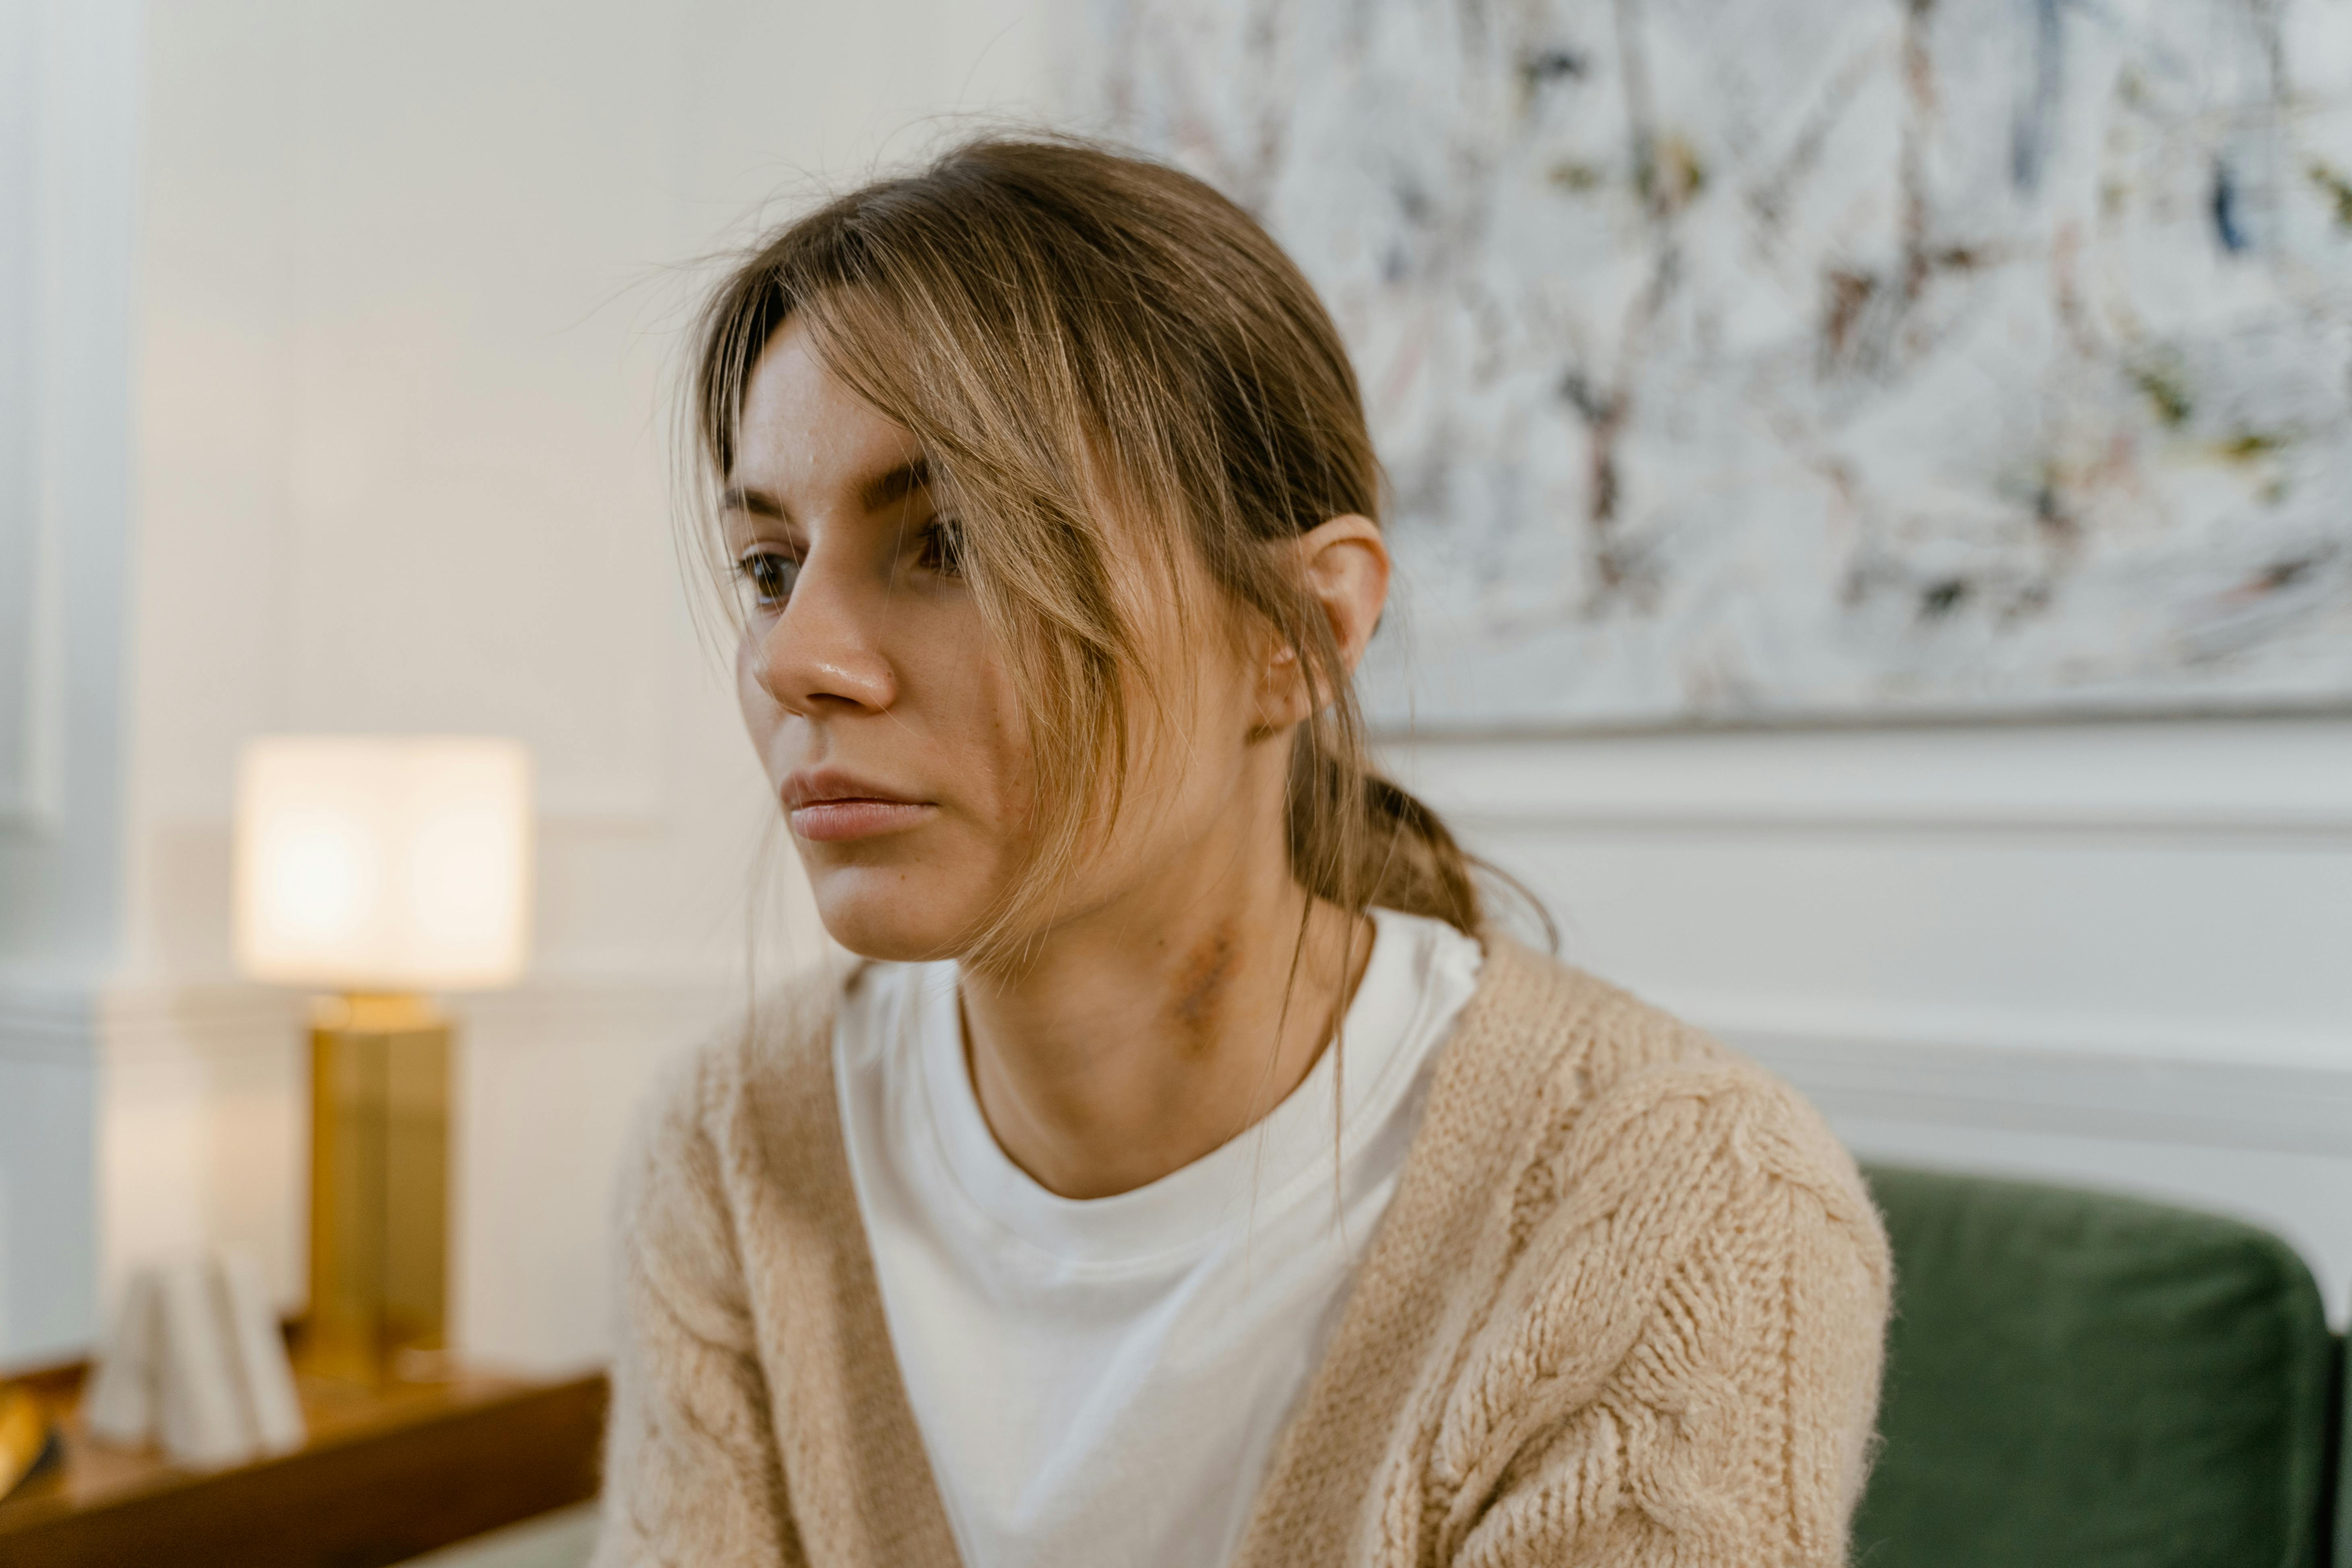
[(383, 863)]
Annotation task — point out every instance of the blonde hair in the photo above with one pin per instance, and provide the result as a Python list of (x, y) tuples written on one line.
[(1064, 328)]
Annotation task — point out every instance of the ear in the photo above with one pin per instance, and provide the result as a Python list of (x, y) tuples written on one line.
[(1344, 564)]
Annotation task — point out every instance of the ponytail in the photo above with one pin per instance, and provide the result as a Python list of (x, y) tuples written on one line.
[(1358, 839)]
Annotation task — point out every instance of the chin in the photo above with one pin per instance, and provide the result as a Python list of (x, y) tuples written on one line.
[(892, 917)]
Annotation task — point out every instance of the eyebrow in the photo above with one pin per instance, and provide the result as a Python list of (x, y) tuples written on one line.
[(896, 484), (893, 485), (758, 503)]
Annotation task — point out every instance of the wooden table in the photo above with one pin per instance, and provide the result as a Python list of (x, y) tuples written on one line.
[(384, 1476)]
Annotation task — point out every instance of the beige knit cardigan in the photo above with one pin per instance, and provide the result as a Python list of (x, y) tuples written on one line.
[(1626, 1306)]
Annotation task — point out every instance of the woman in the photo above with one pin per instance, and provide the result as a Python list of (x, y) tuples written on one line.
[(1189, 1175)]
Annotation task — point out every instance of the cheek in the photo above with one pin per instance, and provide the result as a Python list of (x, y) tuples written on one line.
[(984, 759), (1199, 748), (761, 714)]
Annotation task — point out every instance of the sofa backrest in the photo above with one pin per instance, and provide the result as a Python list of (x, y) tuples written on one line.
[(2089, 1381)]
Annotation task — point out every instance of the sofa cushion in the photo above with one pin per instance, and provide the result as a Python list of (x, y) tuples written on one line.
[(2091, 1380)]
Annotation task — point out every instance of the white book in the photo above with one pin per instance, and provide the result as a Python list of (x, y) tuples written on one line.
[(265, 1378), (119, 1406), (194, 1360), (200, 1406)]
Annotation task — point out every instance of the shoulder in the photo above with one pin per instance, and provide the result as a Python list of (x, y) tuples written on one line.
[(1668, 1277), (1604, 1096), (780, 1043), (697, 1149)]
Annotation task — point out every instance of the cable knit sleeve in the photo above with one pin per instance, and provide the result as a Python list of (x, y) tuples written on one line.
[(691, 1473), (1681, 1367)]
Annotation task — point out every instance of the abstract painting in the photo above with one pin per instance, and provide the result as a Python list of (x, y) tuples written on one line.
[(1760, 360)]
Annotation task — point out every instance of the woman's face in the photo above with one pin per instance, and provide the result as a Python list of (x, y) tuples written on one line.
[(881, 708)]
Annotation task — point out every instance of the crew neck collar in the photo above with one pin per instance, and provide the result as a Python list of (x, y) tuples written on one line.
[(1189, 1208)]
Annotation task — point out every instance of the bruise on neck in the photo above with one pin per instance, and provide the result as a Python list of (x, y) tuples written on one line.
[(1201, 981)]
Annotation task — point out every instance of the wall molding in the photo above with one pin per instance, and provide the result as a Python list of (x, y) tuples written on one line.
[(686, 1006), (2268, 1082), (2259, 778), (42, 1023), (132, 1025), (2267, 1106), (2178, 1093)]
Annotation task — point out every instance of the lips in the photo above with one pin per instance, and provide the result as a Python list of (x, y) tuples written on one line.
[(828, 806)]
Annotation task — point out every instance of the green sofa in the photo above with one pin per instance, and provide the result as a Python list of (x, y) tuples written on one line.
[(2077, 1380)]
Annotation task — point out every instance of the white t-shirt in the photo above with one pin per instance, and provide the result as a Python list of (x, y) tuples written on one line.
[(1100, 1381)]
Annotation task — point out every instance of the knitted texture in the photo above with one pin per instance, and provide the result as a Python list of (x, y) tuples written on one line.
[(1626, 1308)]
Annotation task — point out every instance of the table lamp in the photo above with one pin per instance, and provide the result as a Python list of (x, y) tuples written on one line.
[(376, 870)]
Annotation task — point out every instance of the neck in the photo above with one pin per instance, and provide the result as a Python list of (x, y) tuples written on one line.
[(1140, 1039)]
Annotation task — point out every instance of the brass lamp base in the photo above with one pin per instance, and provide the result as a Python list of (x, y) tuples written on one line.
[(379, 1185)]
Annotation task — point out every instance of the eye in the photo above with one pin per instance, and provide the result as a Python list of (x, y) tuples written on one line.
[(942, 547), (768, 575)]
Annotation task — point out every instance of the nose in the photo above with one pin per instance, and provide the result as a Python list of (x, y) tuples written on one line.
[(823, 656)]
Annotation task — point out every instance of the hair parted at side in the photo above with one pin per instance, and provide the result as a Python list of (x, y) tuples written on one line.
[(1065, 328)]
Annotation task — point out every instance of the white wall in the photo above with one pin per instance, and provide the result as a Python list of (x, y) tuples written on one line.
[(2111, 954), (409, 281)]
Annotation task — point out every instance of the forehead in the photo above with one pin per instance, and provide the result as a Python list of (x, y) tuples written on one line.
[(803, 430)]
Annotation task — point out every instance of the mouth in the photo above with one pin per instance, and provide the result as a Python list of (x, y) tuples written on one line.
[(826, 808)]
